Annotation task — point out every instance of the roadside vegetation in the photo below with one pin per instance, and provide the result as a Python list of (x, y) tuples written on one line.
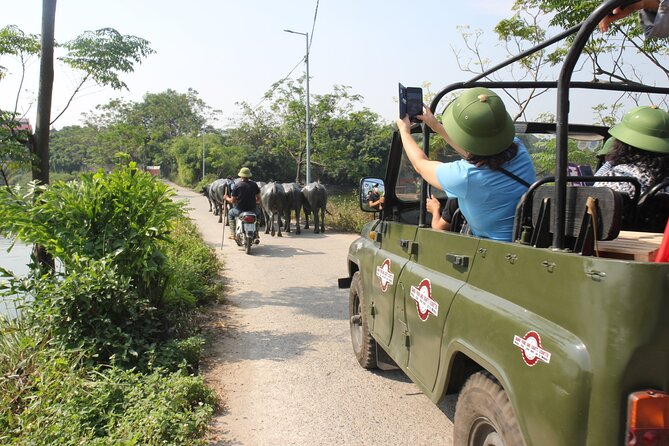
[(346, 215), (106, 349)]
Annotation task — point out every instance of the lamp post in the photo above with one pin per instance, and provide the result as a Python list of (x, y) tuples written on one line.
[(308, 124), (203, 153)]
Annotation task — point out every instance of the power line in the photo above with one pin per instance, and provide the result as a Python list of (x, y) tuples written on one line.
[(276, 84), (313, 26)]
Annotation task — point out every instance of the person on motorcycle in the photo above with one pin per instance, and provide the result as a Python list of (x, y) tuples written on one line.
[(245, 197)]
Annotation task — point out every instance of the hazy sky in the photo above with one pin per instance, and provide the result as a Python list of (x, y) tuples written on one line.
[(233, 51)]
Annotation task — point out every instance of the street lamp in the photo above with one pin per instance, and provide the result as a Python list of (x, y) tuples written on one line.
[(306, 60), (203, 153)]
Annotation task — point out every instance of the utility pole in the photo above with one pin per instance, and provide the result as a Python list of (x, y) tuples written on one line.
[(308, 123)]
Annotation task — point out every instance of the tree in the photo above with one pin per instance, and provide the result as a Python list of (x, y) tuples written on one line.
[(517, 34), (352, 146), (99, 56), (613, 57), (149, 127), (73, 149), (278, 130)]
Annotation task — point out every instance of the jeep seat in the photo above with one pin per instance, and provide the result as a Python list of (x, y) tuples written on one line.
[(582, 228), (653, 209)]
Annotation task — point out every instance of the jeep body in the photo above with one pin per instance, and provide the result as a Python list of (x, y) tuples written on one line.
[(573, 335)]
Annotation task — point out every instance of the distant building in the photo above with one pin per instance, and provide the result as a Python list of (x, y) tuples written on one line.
[(153, 170), (24, 124)]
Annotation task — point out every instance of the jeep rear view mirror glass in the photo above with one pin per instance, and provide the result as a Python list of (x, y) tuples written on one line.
[(371, 191)]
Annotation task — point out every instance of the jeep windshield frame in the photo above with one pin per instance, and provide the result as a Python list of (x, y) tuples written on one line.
[(563, 85)]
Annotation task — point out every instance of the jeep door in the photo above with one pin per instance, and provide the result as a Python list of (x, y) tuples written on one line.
[(396, 236), (439, 268)]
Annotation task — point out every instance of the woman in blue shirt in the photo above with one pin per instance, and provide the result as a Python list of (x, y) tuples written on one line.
[(495, 170)]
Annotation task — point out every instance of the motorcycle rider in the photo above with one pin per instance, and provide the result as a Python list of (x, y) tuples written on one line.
[(245, 197)]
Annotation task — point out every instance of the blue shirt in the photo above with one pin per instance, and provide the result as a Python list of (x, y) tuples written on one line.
[(488, 198)]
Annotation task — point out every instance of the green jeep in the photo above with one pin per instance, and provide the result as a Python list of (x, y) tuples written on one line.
[(560, 337)]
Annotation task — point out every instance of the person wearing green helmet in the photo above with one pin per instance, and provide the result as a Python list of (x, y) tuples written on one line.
[(602, 165), (245, 197), (640, 150), (496, 168)]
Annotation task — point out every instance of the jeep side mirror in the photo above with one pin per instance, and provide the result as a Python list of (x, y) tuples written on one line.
[(372, 194)]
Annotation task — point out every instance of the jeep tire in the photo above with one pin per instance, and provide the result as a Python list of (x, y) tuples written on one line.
[(364, 345), (484, 415)]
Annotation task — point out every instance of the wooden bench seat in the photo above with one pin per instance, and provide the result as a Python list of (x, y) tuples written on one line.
[(631, 245)]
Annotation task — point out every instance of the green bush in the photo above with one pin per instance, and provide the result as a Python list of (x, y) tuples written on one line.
[(346, 214), (134, 267), (179, 354), (95, 308), (133, 270), (193, 266), (122, 215), (69, 405)]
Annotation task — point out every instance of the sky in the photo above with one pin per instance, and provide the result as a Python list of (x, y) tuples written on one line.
[(234, 51)]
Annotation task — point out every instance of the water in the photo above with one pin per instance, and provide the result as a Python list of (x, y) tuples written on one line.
[(15, 261)]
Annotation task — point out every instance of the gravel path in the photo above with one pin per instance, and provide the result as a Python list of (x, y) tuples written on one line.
[(281, 356)]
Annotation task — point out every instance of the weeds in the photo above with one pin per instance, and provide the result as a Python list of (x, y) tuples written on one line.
[(346, 214)]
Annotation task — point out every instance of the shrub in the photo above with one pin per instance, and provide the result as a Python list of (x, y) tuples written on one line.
[(346, 214), (95, 308), (193, 266), (69, 405), (134, 268), (120, 216)]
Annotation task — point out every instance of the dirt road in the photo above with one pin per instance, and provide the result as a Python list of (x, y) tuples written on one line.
[(281, 356)]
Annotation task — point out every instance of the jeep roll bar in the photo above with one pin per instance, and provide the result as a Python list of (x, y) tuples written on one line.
[(563, 85)]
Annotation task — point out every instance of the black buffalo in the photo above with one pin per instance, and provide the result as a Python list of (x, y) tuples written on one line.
[(273, 200), (205, 192), (315, 199), (293, 203), (217, 190)]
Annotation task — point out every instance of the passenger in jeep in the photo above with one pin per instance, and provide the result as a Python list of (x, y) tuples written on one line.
[(441, 218), (495, 170), (641, 150)]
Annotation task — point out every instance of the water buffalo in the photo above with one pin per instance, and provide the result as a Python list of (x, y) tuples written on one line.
[(217, 190), (315, 198), (205, 192), (261, 214), (293, 203), (273, 200)]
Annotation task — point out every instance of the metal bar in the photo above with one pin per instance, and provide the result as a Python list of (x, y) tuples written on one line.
[(526, 53), (423, 188), (562, 117)]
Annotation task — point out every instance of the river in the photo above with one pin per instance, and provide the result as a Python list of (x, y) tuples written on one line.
[(15, 261)]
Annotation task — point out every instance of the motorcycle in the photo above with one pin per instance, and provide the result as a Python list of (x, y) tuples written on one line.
[(246, 230)]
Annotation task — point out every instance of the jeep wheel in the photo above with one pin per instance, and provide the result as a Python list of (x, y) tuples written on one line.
[(484, 416), (364, 345)]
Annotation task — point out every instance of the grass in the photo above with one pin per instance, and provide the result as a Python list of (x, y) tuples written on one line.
[(346, 214)]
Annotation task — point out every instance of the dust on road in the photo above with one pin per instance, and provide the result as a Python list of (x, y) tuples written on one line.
[(280, 355)]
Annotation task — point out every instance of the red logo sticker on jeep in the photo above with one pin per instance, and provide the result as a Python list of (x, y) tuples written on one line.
[(530, 346), (384, 274), (422, 294)]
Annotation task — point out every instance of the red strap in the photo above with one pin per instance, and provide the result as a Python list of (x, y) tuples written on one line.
[(663, 252)]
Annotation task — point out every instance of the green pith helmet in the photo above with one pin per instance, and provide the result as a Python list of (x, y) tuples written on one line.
[(478, 122), (244, 172), (646, 128), (606, 148)]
